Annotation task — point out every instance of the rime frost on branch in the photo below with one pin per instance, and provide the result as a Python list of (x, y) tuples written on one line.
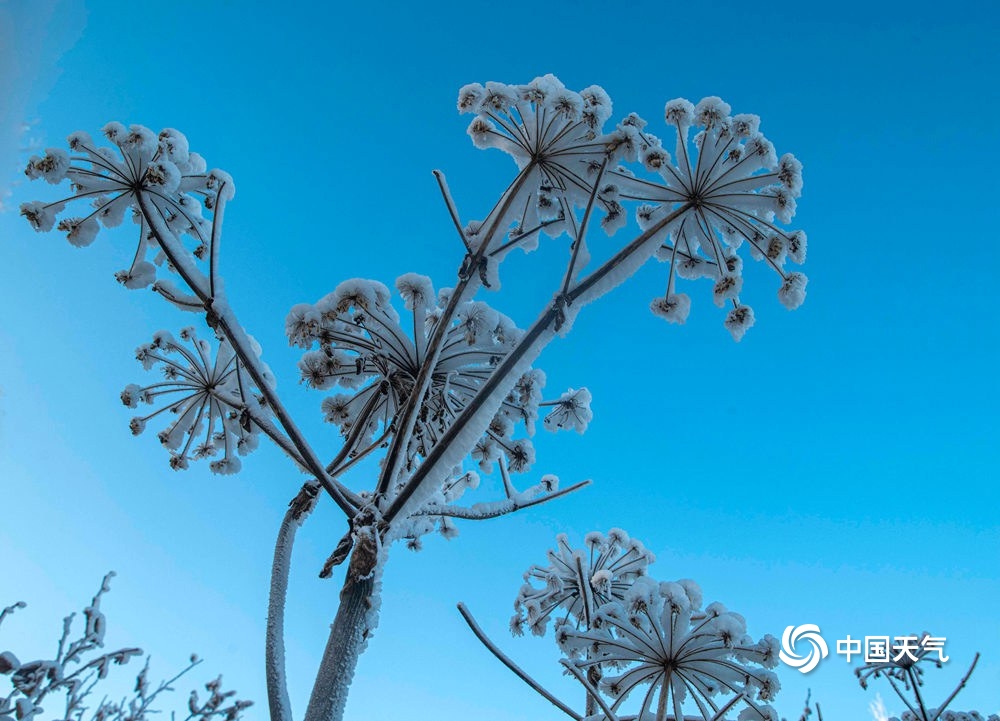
[(79, 667)]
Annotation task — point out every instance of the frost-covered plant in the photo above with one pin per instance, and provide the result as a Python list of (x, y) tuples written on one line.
[(904, 673), (654, 637), (79, 667), (453, 383), (579, 581)]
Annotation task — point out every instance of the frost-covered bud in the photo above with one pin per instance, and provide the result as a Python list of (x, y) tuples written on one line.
[(596, 106), (797, 247), (567, 104), (52, 166), (711, 111), (784, 204), (470, 97), (614, 218), (174, 145), (416, 290), (739, 320), (42, 216), (142, 140), (163, 175), (80, 232), (727, 288), (140, 275), (793, 290), (790, 174), (520, 455), (497, 98), (572, 410), (115, 132), (745, 125), (679, 112), (656, 159)]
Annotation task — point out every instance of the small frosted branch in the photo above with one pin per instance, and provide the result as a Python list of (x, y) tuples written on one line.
[(582, 678), (961, 685), (452, 210), (484, 511), (222, 318), (468, 283), (506, 661), (10, 609)]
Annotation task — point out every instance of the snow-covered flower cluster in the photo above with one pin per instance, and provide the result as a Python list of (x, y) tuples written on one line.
[(172, 181), (722, 188), (658, 638), (578, 581), (359, 343), (79, 666), (555, 136), (653, 636), (946, 716), (213, 402), (904, 669)]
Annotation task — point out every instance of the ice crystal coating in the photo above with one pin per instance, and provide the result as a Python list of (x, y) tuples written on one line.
[(730, 189), (217, 410), (358, 342), (556, 137), (723, 187), (656, 635), (171, 178), (579, 581)]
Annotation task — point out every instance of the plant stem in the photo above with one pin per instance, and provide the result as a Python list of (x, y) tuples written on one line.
[(274, 644), (350, 630)]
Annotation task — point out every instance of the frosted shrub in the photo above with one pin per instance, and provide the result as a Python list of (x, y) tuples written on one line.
[(452, 385), (79, 667)]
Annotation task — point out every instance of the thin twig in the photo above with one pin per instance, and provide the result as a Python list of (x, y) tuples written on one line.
[(961, 685), (470, 514), (582, 678), (506, 661)]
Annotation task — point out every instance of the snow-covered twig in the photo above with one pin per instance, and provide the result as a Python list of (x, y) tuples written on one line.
[(484, 511), (506, 661)]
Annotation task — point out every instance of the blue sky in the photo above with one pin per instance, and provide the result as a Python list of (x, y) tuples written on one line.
[(836, 467)]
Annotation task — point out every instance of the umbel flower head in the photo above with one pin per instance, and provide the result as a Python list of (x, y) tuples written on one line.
[(660, 640), (906, 666), (579, 581), (732, 190), (106, 182), (722, 187), (215, 410), (365, 348), (556, 137)]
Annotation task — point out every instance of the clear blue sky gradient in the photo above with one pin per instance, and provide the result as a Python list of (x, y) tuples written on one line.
[(838, 467)]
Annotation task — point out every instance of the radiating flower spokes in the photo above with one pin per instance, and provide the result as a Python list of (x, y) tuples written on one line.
[(365, 348), (657, 636), (579, 581), (732, 189), (173, 179), (556, 137), (723, 188), (214, 401)]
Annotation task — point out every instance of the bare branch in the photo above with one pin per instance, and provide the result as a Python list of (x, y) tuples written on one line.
[(506, 661)]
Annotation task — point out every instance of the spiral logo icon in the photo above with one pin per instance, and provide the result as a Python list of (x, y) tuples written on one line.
[(808, 632)]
